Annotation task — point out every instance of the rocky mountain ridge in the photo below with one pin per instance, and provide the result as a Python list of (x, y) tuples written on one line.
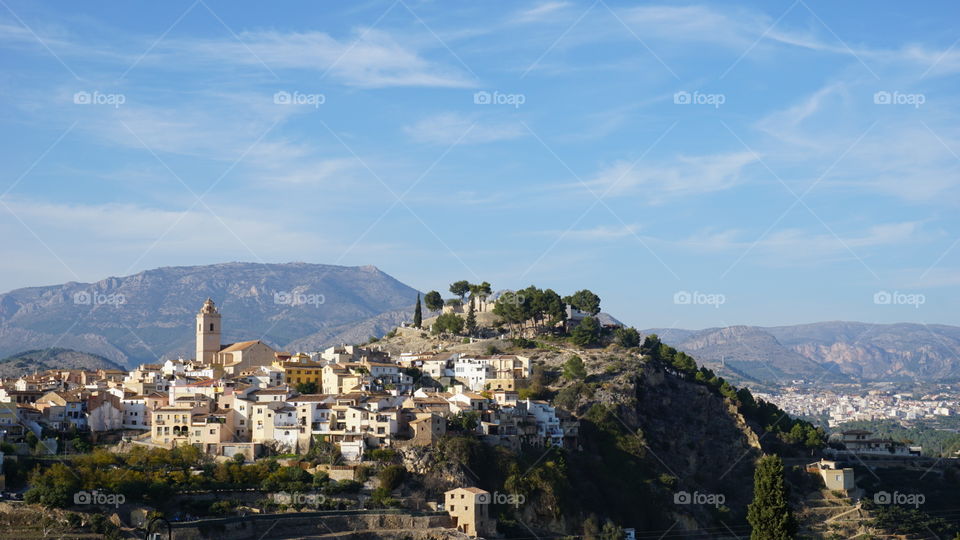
[(836, 351), (150, 315)]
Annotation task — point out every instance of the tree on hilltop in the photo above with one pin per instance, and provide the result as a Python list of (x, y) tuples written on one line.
[(449, 323), (627, 337), (471, 322), (480, 291), (460, 288), (587, 333), (585, 301), (433, 301)]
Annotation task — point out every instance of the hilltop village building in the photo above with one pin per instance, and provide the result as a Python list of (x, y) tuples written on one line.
[(248, 398)]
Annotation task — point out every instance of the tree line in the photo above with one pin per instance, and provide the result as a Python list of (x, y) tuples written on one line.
[(527, 310)]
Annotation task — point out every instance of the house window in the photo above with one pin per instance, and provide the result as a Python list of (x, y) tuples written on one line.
[(211, 327)]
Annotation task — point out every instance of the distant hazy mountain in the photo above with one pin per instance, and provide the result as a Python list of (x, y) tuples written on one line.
[(828, 351), (143, 317), (56, 358)]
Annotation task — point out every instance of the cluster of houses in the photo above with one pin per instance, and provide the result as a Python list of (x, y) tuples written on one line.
[(247, 398), (862, 442)]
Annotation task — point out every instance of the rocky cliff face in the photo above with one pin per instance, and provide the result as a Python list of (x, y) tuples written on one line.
[(655, 452), (689, 433), (145, 316), (828, 351)]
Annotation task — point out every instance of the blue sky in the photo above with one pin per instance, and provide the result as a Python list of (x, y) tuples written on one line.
[(695, 164)]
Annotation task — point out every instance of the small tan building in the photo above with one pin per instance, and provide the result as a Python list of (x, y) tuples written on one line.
[(470, 510), (838, 479), (427, 429)]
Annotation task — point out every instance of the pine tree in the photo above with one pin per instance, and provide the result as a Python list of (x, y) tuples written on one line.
[(471, 319), (769, 514), (418, 313)]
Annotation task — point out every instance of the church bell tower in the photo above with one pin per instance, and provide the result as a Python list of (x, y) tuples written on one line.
[(208, 333)]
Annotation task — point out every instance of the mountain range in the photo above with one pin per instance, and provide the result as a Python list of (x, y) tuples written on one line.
[(299, 306), (835, 351), (53, 358), (150, 315)]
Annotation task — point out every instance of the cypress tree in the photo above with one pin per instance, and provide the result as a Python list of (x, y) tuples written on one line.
[(471, 323), (418, 313), (769, 514)]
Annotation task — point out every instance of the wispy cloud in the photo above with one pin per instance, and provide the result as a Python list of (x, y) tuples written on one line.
[(598, 233), (682, 176), (796, 244), (540, 12), (911, 153), (448, 128), (370, 58)]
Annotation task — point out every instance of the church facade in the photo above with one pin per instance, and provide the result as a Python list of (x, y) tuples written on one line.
[(232, 358)]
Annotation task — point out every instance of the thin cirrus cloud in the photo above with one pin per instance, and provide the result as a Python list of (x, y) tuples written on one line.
[(455, 128), (254, 141), (744, 30), (599, 233), (370, 59), (540, 12), (685, 175), (902, 151), (796, 244)]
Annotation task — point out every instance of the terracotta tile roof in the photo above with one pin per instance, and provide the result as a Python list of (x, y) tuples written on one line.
[(239, 346)]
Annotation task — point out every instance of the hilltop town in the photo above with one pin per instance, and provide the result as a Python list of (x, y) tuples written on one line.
[(249, 399), (243, 401), (483, 416)]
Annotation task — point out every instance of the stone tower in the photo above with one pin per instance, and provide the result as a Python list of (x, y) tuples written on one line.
[(208, 333)]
